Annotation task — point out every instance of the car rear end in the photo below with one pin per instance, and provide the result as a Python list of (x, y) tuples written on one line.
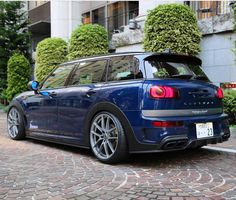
[(180, 107)]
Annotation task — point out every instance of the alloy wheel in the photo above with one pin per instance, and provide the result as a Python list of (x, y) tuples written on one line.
[(104, 135), (13, 122)]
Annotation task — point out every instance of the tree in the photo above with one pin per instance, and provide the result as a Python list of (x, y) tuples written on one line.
[(18, 75), (172, 26), (87, 40), (13, 35), (49, 53)]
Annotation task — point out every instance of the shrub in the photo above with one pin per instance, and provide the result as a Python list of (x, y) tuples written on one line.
[(87, 40), (18, 75), (172, 26), (49, 53), (229, 102)]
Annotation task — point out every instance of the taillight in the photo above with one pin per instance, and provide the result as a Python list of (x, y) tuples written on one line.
[(219, 93), (167, 123), (161, 92)]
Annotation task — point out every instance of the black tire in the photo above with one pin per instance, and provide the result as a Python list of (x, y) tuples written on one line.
[(19, 124), (119, 144)]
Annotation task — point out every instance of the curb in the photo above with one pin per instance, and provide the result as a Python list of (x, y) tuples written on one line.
[(220, 149)]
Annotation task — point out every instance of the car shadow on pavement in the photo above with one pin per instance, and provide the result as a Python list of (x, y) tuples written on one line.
[(181, 157), (67, 148)]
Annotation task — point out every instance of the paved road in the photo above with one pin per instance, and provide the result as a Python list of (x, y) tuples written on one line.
[(38, 170)]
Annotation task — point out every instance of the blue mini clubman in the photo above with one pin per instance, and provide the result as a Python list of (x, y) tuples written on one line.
[(123, 103)]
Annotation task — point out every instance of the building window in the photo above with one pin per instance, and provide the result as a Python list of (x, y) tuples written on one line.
[(86, 18), (98, 16), (118, 15), (206, 9)]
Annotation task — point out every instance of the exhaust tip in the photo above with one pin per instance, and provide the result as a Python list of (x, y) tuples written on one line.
[(175, 144)]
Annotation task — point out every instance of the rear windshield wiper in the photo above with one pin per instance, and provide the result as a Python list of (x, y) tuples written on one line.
[(182, 76), (200, 77)]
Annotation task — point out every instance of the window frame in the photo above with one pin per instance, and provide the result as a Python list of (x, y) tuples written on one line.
[(66, 80), (139, 66), (69, 82)]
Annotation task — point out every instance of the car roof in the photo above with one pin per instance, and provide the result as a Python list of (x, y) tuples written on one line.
[(145, 56)]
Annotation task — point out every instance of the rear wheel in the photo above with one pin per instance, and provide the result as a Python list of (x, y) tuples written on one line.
[(107, 138), (15, 124)]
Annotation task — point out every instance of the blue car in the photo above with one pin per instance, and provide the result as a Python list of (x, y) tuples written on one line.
[(123, 103)]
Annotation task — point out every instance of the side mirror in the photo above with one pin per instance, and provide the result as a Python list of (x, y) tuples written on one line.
[(33, 85)]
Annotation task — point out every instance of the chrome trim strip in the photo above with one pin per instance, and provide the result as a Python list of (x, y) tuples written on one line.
[(181, 112)]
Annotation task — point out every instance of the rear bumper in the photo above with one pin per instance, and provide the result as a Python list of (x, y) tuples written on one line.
[(152, 139), (178, 143)]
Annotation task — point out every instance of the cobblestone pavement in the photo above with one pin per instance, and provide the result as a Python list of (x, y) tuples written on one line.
[(38, 170)]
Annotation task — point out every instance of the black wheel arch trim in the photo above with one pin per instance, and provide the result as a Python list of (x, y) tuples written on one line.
[(133, 144)]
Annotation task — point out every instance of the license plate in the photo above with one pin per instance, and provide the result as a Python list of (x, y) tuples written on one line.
[(204, 130)]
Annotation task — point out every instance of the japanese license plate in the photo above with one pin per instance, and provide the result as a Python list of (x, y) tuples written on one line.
[(204, 130)]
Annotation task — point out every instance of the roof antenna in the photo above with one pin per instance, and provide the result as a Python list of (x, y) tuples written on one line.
[(167, 50)]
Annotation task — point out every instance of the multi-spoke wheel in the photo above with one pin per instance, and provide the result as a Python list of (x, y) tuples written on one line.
[(15, 126), (107, 138)]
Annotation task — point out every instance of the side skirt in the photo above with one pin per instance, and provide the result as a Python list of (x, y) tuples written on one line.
[(64, 140)]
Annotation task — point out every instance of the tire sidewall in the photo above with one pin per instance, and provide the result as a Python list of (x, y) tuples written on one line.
[(21, 130), (121, 151)]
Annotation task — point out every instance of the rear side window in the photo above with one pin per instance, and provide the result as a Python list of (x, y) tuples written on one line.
[(89, 72), (58, 78), (124, 68)]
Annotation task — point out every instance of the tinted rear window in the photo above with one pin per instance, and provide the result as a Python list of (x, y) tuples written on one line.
[(178, 69)]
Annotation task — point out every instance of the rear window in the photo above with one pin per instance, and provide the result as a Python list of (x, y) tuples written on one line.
[(178, 69)]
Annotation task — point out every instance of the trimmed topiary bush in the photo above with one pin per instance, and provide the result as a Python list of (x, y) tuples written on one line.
[(87, 40), (229, 102), (18, 75), (49, 53), (172, 26)]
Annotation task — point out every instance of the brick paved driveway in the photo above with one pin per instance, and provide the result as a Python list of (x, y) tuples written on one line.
[(39, 170)]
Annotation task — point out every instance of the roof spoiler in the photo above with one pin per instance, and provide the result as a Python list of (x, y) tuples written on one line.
[(169, 57)]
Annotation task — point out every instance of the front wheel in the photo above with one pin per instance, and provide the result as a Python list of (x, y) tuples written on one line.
[(15, 124), (107, 138)]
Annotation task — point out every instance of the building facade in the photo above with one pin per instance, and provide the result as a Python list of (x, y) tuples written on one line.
[(215, 19)]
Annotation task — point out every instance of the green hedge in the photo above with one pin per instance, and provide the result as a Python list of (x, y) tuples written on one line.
[(49, 53), (229, 102), (172, 26), (87, 40), (18, 75)]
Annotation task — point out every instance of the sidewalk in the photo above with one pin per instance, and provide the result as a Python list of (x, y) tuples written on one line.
[(231, 143)]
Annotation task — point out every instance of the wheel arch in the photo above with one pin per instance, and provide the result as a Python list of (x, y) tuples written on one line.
[(109, 107)]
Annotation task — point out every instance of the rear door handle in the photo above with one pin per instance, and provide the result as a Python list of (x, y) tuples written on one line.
[(90, 92), (53, 94)]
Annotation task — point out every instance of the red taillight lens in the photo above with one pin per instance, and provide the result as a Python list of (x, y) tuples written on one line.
[(219, 93), (161, 92), (167, 123)]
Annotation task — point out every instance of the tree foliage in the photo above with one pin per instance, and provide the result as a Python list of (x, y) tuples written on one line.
[(172, 26), (49, 53), (18, 75), (13, 34), (229, 102), (87, 40)]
